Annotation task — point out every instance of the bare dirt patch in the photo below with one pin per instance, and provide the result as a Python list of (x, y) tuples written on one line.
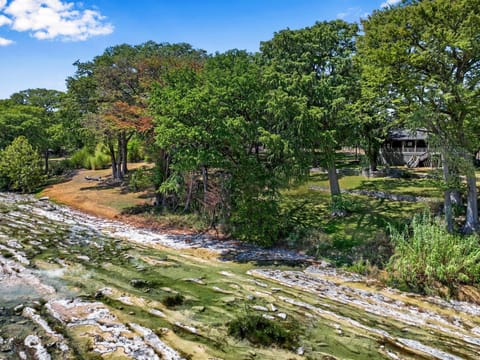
[(92, 192)]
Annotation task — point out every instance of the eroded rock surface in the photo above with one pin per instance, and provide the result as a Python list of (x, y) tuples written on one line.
[(71, 281)]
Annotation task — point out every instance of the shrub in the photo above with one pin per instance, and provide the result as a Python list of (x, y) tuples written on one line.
[(135, 151), (342, 205), (362, 266), (171, 301), (3, 180), (261, 331), (80, 157), (141, 179), (256, 220), (426, 257), (21, 167), (88, 159), (99, 160), (60, 167)]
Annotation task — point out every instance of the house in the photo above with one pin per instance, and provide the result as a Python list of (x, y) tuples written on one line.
[(408, 147)]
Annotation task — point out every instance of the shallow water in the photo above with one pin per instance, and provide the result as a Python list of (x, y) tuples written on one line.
[(88, 288)]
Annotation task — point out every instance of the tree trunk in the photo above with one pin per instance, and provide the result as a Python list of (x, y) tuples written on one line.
[(373, 165), (189, 193), (46, 161), (471, 220), (456, 197), (125, 139), (337, 206), (447, 194), (205, 184), (372, 154), (119, 174), (113, 160), (333, 180)]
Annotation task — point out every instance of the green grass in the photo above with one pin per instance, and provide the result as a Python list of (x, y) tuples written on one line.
[(417, 187), (427, 257), (362, 233)]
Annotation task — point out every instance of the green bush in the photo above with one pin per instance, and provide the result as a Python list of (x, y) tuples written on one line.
[(342, 204), (60, 167), (88, 159), (170, 301), (79, 158), (256, 220), (21, 167), (261, 331), (141, 179), (135, 151), (99, 160), (427, 257), (3, 180)]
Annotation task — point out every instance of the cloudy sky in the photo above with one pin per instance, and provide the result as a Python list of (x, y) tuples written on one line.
[(40, 39)]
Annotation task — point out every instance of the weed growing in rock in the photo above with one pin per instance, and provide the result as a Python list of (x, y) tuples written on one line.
[(171, 301), (261, 331)]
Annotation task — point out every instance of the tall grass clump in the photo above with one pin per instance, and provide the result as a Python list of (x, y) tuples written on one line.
[(261, 331), (100, 159), (79, 158), (91, 159), (136, 151), (427, 258)]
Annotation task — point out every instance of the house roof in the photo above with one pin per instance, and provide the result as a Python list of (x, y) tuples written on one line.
[(408, 134)]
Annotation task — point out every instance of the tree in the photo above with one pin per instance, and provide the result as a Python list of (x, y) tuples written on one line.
[(373, 118), (52, 133), (426, 56), (45, 98), (312, 80), (20, 166), (26, 120), (212, 123), (112, 91)]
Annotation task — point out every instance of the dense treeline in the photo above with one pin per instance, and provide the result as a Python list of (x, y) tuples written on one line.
[(227, 132)]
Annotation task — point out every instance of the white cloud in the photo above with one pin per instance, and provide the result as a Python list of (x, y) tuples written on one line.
[(5, 42), (4, 20), (2, 4), (390, 3), (55, 19)]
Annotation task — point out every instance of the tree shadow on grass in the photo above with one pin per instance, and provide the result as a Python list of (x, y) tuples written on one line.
[(415, 187)]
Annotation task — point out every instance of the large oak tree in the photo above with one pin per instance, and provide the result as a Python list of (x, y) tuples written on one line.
[(425, 55), (312, 81)]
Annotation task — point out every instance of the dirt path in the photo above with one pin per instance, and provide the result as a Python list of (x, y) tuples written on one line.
[(94, 197)]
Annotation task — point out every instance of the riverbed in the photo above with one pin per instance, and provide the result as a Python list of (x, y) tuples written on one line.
[(73, 286)]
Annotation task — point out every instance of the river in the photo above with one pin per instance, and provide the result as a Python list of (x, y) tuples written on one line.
[(77, 287)]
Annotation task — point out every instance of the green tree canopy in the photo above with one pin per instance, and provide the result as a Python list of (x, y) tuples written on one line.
[(112, 89), (212, 122), (425, 55), (312, 79), (20, 166)]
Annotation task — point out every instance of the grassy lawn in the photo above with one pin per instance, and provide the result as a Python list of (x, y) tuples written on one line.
[(362, 233), (418, 187)]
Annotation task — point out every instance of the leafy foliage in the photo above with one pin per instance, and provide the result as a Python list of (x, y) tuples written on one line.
[(425, 56), (261, 331), (172, 301), (427, 255), (140, 179), (20, 166), (90, 159), (210, 122)]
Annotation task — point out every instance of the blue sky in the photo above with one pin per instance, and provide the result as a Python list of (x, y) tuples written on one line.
[(40, 39)]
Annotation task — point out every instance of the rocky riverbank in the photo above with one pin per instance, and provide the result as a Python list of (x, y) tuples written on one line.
[(77, 286)]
